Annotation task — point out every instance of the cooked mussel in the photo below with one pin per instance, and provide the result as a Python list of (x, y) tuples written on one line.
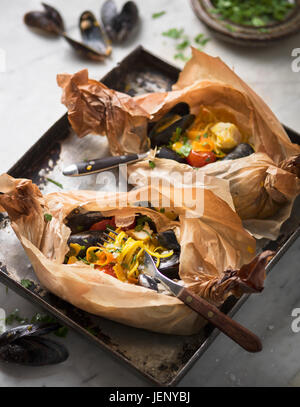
[(34, 351), (80, 242), (119, 26), (165, 152), (148, 282), (178, 117), (21, 331), (168, 240), (242, 150), (78, 221), (93, 34), (23, 345), (48, 21)]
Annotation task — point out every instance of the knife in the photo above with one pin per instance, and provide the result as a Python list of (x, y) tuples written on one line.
[(108, 163), (241, 335)]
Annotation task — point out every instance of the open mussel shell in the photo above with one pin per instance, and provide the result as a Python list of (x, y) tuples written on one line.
[(120, 26), (49, 21), (83, 50), (78, 221), (165, 152), (34, 351), (168, 240), (22, 331), (93, 34), (242, 150), (85, 240), (178, 117)]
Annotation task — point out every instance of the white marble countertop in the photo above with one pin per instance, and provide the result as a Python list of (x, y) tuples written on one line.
[(31, 65)]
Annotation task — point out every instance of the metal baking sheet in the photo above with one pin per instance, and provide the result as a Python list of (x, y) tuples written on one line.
[(163, 359)]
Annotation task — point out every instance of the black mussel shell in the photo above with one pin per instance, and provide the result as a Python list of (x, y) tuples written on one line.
[(181, 108), (165, 152), (242, 150), (169, 266), (159, 138), (79, 222), (83, 50), (49, 20), (168, 240), (148, 282), (22, 331), (119, 26), (86, 240), (93, 35), (34, 351)]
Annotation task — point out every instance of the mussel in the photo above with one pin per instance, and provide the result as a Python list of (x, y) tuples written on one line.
[(23, 345), (48, 21), (166, 152), (163, 130), (79, 220), (95, 44), (119, 26), (84, 240), (242, 150)]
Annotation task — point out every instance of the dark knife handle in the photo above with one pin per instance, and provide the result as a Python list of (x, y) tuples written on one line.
[(106, 163), (241, 335)]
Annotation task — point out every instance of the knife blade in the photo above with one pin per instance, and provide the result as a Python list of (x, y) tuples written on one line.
[(241, 335)]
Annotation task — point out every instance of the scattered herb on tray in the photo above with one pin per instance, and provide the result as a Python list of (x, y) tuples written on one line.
[(26, 283), (252, 12), (55, 182), (159, 14)]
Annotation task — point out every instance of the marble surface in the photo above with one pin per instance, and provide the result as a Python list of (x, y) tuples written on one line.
[(30, 104)]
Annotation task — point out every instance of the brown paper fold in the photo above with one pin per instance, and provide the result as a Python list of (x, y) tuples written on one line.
[(213, 244)]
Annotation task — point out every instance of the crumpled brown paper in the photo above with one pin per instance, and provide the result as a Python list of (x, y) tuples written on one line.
[(263, 193), (214, 251), (93, 108)]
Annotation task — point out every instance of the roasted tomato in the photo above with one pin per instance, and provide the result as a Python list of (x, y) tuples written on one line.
[(200, 158), (107, 269), (103, 224)]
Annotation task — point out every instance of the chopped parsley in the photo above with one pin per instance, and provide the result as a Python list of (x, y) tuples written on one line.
[(200, 39), (47, 217), (15, 317), (181, 56), (182, 45), (185, 150), (252, 12), (26, 283), (61, 332), (159, 14), (152, 164), (55, 182), (173, 33), (140, 223)]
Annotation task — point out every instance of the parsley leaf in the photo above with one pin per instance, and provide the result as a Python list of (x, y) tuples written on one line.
[(185, 150), (55, 182), (152, 164), (173, 33), (47, 217), (159, 14), (26, 283)]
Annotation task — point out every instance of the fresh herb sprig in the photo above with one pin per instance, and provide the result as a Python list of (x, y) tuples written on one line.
[(159, 14)]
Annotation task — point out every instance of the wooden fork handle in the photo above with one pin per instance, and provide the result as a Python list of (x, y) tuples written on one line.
[(228, 326)]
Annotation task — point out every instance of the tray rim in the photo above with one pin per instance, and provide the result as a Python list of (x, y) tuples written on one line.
[(33, 297)]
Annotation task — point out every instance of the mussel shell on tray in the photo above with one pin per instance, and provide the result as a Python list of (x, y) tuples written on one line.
[(120, 26), (27, 330), (33, 351), (48, 21)]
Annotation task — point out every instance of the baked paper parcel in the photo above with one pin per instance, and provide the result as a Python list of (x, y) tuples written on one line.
[(217, 256)]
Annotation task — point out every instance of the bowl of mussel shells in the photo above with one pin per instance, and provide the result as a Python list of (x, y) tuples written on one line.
[(97, 35)]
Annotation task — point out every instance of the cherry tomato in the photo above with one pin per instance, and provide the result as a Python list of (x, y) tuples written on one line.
[(200, 158), (107, 269), (103, 224)]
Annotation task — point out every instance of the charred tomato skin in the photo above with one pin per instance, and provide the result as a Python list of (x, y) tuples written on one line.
[(200, 158)]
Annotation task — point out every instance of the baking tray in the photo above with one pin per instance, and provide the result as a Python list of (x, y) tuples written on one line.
[(163, 359)]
